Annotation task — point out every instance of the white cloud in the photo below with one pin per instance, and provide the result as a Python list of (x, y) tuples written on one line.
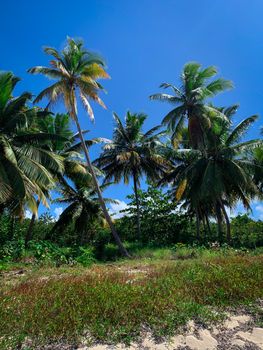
[(115, 209), (57, 211), (28, 214)]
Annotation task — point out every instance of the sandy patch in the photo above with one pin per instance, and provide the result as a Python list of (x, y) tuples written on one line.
[(234, 334)]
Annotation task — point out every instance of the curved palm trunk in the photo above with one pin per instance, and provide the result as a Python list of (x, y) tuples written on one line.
[(137, 206), (122, 249), (29, 233), (228, 228)]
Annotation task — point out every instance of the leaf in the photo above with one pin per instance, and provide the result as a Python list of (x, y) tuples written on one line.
[(87, 106), (180, 190)]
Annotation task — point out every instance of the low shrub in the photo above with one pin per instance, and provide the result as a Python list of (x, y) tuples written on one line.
[(86, 256), (12, 250)]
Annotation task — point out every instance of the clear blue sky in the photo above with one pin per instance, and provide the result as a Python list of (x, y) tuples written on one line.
[(145, 43)]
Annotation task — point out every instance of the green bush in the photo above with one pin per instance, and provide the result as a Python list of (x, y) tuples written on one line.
[(86, 257), (47, 251), (247, 232), (160, 224), (12, 250)]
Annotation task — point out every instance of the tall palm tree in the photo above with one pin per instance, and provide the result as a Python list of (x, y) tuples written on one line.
[(25, 165), (83, 208), (131, 154), (221, 175), (190, 101), (77, 71)]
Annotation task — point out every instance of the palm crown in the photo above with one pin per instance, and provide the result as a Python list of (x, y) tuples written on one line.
[(219, 175), (83, 208), (76, 71), (189, 99), (26, 165), (132, 152)]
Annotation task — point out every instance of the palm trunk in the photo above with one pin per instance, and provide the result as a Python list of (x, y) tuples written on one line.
[(137, 206), (195, 132), (204, 227), (122, 249), (228, 228), (197, 226), (29, 233), (208, 224), (219, 222), (82, 239)]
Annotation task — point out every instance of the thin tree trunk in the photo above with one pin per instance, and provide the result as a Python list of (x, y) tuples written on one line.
[(219, 222), (208, 225), (82, 239), (197, 226), (228, 228), (11, 228), (137, 206), (29, 233), (204, 227), (122, 249)]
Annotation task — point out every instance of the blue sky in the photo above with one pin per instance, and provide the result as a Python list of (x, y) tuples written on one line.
[(145, 43)]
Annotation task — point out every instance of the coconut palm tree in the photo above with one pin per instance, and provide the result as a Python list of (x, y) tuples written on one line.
[(69, 148), (221, 175), (25, 165), (190, 101), (131, 154), (83, 208), (76, 72)]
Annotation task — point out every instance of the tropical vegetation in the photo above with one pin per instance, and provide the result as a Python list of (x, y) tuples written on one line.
[(173, 253), (198, 160)]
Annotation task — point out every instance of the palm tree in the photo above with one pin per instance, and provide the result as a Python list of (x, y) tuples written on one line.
[(83, 208), (190, 101), (220, 175), (25, 165), (68, 147), (131, 154), (77, 71)]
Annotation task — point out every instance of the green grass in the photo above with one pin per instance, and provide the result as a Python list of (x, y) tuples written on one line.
[(113, 302)]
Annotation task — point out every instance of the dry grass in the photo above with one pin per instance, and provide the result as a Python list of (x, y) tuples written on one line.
[(113, 302)]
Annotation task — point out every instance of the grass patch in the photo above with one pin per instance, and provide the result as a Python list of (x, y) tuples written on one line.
[(113, 302)]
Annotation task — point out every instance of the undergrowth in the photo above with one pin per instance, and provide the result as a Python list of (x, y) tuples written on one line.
[(114, 302)]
